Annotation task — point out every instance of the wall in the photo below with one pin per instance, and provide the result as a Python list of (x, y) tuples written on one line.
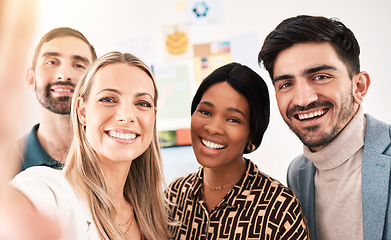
[(107, 23)]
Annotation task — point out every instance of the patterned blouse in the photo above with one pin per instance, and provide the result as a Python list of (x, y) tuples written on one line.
[(257, 207)]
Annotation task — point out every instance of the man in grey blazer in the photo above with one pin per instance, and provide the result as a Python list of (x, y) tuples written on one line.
[(343, 177)]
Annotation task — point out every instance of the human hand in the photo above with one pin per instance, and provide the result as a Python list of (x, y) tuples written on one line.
[(18, 218)]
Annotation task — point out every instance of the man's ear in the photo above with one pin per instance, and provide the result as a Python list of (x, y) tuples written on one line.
[(81, 110), (30, 79), (361, 84)]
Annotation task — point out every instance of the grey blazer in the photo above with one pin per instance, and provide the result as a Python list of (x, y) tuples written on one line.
[(375, 174)]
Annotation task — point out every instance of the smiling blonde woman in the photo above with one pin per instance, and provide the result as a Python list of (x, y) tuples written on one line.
[(111, 186)]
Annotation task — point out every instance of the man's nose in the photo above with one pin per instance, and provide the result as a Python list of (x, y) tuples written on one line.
[(304, 94), (64, 73)]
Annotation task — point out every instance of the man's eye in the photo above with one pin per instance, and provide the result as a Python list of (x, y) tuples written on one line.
[(285, 85), (80, 66), (321, 77), (50, 62)]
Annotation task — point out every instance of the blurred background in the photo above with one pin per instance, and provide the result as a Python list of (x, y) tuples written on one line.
[(183, 41)]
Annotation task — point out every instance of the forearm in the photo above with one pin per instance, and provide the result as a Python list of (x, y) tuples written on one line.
[(19, 220)]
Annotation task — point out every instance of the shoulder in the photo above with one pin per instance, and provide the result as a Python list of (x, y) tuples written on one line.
[(286, 208), (378, 135), (274, 186), (265, 183), (25, 142), (298, 163), (181, 183), (46, 188), (40, 174), (31, 136), (375, 126)]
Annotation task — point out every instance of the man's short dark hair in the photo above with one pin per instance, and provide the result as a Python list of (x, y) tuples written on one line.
[(305, 29), (57, 33)]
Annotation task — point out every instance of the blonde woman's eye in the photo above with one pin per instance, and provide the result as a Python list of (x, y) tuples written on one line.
[(145, 104), (107, 100)]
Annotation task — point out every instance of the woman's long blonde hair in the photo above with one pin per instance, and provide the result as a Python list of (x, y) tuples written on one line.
[(143, 187)]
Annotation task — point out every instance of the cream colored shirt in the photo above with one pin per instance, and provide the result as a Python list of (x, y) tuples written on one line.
[(338, 194), (54, 197)]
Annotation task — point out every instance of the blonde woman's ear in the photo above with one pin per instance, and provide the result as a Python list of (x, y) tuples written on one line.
[(81, 110)]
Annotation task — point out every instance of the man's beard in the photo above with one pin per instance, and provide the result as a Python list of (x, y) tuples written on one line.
[(343, 117), (58, 105)]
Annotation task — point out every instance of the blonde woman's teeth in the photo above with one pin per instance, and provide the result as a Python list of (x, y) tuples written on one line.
[(120, 135)]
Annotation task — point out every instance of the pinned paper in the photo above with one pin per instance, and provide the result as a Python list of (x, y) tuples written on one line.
[(204, 12), (177, 43), (208, 57)]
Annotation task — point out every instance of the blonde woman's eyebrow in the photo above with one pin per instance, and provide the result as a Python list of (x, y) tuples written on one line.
[(109, 90), (140, 94), (113, 90)]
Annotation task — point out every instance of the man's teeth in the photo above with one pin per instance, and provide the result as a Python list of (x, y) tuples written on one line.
[(63, 90), (212, 145), (124, 136), (311, 115)]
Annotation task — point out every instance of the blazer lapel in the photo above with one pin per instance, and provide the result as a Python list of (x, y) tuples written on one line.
[(307, 194), (375, 178)]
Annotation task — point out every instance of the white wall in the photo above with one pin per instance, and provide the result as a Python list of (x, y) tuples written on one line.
[(106, 22)]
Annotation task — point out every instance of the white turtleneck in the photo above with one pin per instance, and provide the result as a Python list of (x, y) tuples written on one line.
[(338, 200)]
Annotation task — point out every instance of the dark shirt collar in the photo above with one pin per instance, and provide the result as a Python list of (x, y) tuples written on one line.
[(34, 154)]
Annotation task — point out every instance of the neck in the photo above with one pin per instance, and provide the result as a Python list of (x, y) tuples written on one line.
[(55, 134), (115, 177), (219, 177)]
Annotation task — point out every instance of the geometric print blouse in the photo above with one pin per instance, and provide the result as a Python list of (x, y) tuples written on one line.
[(257, 207)]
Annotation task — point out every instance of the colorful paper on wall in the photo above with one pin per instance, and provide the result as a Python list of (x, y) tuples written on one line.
[(208, 57), (204, 12), (172, 138), (176, 42), (174, 91)]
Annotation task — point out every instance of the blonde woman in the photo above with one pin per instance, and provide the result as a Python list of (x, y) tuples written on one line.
[(111, 186)]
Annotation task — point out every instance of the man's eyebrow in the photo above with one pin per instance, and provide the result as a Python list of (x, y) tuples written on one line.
[(318, 69), (282, 77), (305, 72), (51, 54), (56, 54), (80, 58)]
